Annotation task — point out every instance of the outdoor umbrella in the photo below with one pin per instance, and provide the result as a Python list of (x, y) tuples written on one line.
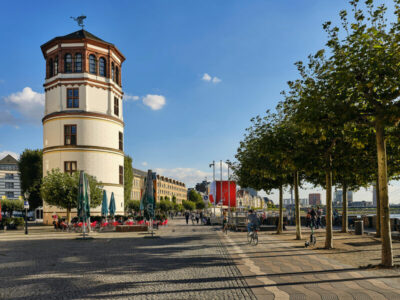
[(104, 207), (83, 199), (112, 205)]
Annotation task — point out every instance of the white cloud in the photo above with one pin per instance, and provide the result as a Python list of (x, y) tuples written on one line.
[(144, 164), (189, 176), (28, 103), (216, 80), (155, 102), (128, 97), (6, 152), (209, 78), (206, 77)]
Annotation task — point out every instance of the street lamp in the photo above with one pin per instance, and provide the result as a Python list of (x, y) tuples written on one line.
[(26, 206), (213, 165)]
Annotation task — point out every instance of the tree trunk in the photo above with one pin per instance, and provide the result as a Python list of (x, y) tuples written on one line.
[(387, 254), (378, 211), (345, 219), (68, 215), (328, 217), (280, 223), (297, 204)]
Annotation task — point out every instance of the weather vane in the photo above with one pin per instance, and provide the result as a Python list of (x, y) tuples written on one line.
[(79, 20)]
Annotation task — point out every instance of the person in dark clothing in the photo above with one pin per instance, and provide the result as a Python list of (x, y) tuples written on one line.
[(313, 216), (187, 217)]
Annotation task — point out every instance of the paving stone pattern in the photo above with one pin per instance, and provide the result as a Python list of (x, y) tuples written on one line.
[(283, 269), (187, 262)]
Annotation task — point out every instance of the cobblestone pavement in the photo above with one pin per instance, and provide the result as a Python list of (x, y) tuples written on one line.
[(281, 268), (186, 262)]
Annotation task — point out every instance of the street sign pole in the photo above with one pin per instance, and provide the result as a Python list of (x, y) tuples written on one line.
[(26, 206)]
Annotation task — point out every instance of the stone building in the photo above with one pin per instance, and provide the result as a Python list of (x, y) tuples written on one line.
[(83, 127), (138, 184), (165, 186), (10, 185)]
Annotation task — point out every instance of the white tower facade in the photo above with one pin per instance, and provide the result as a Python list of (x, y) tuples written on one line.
[(83, 127)]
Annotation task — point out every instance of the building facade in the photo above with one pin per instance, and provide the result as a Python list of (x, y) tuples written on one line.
[(167, 187), (338, 197), (314, 199), (138, 184), (246, 200), (10, 185), (83, 127)]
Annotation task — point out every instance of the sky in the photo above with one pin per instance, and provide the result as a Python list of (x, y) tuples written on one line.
[(195, 73)]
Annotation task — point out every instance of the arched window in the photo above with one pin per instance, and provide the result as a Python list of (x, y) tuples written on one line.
[(68, 63), (51, 67), (102, 66), (78, 63), (56, 65), (117, 75), (92, 64), (112, 71)]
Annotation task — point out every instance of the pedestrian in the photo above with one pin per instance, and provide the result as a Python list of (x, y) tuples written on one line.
[(313, 216), (319, 218), (192, 217), (308, 218), (197, 217), (187, 217)]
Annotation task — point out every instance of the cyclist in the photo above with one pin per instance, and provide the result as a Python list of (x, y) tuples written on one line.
[(252, 221)]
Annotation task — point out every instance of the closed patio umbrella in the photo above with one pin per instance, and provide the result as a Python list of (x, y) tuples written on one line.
[(83, 200), (112, 205), (104, 206)]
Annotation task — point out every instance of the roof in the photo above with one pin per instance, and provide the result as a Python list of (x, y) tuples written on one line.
[(139, 172), (8, 160), (79, 35)]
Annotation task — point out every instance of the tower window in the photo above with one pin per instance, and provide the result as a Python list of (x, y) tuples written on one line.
[(68, 63), (51, 68), (121, 175), (78, 63), (117, 75), (69, 134), (112, 71), (102, 66), (92, 64), (116, 106), (56, 65), (69, 167), (121, 140), (72, 98)]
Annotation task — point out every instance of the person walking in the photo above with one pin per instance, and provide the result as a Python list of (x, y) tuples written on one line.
[(197, 217), (187, 217), (313, 217), (319, 218), (192, 217)]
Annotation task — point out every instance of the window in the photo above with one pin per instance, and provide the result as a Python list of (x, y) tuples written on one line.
[(121, 141), (121, 175), (10, 195), (102, 66), (72, 98), (9, 185), (69, 134), (56, 65), (112, 71), (116, 106), (9, 176), (51, 68), (78, 63), (69, 167), (68, 63), (92, 64), (117, 75)]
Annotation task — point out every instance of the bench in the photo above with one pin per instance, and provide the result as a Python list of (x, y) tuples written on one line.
[(130, 228)]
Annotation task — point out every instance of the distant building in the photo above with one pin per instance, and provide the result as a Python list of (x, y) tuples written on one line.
[(138, 184), (10, 185), (338, 197), (164, 186), (245, 199), (251, 191), (287, 202), (304, 202), (314, 199)]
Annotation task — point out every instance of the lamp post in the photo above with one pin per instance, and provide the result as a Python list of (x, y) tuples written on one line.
[(229, 190), (222, 198), (213, 165), (26, 206)]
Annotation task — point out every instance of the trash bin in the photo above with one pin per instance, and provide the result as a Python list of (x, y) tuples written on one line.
[(359, 227)]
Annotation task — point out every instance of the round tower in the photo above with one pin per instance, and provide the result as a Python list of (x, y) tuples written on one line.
[(83, 127)]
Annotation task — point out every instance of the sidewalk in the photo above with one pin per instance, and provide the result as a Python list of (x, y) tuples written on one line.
[(281, 268)]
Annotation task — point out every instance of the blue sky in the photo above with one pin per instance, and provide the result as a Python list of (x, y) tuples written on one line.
[(247, 48)]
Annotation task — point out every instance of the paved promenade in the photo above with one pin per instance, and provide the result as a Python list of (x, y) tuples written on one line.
[(281, 268), (187, 262)]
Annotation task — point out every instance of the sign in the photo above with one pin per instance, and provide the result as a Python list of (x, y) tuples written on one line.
[(205, 197), (26, 204)]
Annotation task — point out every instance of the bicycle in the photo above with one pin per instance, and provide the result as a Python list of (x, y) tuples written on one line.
[(313, 239), (252, 237)]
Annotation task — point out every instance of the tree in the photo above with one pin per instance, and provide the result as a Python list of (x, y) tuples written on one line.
[(194, 196), (200, 205), (166, 198), (188, 205), (174, 199), (30, 166), (132, 206), (8, 206), (128, 177), (61, 190)]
